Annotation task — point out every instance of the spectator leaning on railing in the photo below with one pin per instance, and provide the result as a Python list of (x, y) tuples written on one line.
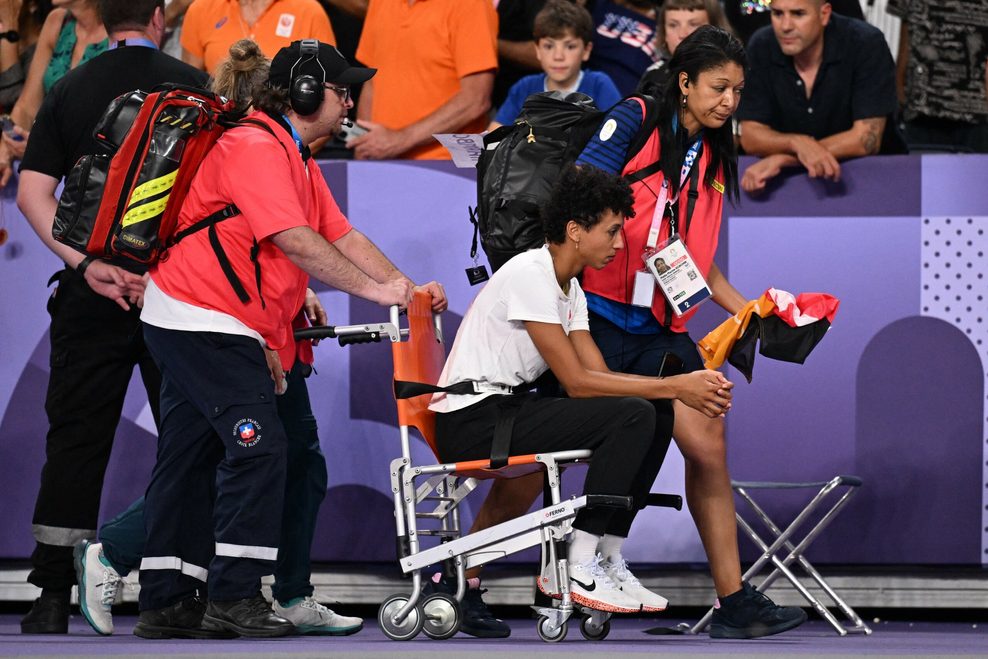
[(821, 88)]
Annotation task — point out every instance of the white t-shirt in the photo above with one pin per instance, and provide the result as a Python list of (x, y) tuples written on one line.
[(492, 345)]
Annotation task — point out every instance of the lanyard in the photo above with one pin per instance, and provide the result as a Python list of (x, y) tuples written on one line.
[(664, 200), (136, 41), (295, 136)]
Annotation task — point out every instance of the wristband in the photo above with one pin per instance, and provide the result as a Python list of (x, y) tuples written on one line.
[(84, 265)]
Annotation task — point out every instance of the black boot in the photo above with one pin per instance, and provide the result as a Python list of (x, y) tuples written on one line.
[(49, 615), (183, 619), (248, 617)]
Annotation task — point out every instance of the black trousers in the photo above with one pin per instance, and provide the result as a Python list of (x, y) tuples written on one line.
[(94, 347), (629, 438), (214, 505)]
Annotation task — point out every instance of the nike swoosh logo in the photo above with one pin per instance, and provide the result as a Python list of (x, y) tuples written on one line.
[(589, 589)]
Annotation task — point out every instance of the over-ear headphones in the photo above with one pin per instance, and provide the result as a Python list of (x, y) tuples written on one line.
[(306, 92)]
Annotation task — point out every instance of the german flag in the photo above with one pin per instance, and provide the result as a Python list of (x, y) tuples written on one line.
[(783, 326)]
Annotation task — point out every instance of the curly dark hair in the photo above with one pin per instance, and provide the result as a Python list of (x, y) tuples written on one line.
[(583, 194)]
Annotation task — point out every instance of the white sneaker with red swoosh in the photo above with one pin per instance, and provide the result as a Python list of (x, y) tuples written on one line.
[(591, 587)]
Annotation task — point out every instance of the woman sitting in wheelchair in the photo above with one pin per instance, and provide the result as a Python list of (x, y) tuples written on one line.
[(532, 317)]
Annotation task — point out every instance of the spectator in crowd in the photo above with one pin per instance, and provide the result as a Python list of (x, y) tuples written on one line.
[(174, 16), (624, 43), (877, 13), (212, 26), (72, 34), (95, 335), (563, 41), (942, 75), (821, 89), (436, 61), (677, 19), (515, 58), (749, 16), (25, 20), (222, 446), (101, 566)]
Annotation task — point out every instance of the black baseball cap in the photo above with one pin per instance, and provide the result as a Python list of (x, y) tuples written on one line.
[(328, 59)]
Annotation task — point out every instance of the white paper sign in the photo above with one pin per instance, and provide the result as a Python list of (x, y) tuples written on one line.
[(464, 147)]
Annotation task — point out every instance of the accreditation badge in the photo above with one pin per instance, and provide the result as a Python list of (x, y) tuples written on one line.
[(677, 275)]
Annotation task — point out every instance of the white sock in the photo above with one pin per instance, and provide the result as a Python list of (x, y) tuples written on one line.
[(582, 547), (610, 547)]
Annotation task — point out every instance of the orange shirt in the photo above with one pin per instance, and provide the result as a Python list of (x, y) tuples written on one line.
[(212, 26), (420, 53)]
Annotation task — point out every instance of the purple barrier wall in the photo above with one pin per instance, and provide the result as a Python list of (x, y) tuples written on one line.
[(894, 393)]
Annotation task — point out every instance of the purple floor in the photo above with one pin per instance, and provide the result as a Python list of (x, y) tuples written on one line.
[(626, 637)]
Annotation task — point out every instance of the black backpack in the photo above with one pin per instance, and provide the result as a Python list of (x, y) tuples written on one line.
[(521, 162)]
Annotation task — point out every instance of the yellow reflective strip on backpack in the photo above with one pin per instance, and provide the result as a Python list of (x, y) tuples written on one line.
[(138, 211), (144, 212), (153, 187)]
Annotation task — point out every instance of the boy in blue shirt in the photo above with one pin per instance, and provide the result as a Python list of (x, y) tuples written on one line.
[(563, 33)]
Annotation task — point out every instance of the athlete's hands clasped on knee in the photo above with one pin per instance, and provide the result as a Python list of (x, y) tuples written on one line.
[(706, 391)]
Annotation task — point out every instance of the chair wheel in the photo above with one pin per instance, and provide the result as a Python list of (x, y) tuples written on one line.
[(547, 634), (593, 632), (441, 618), (408, 628)]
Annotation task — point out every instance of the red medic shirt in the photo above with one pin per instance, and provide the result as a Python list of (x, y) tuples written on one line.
[(265, 177)]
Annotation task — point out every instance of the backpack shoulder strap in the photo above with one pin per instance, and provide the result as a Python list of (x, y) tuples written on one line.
[(649, 119), (650, 111)]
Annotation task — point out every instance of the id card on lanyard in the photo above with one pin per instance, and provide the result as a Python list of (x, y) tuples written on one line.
[(670, 264)]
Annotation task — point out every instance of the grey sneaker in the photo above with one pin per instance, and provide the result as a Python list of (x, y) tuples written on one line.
[(98, 583), (311, 617)]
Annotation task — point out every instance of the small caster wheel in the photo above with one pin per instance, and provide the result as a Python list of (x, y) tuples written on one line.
[(441, 616), (593, 632), (547, 634), (408, 628)]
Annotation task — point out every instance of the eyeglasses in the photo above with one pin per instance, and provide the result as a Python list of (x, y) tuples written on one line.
[(342, 92)]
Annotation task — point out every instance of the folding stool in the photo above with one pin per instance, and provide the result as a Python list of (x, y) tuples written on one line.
[(842, 487)]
